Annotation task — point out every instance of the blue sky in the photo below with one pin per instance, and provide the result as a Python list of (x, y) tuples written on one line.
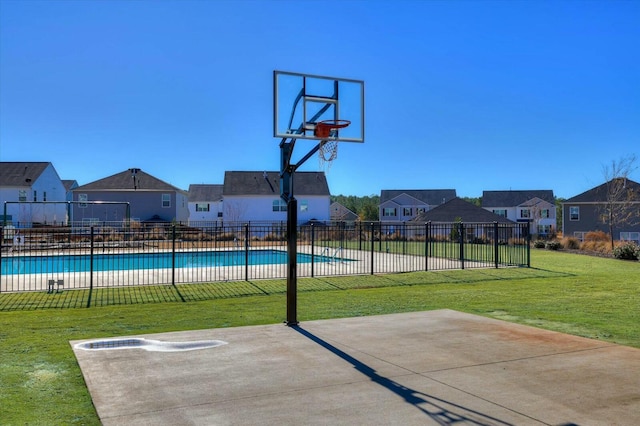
[(469, 95)]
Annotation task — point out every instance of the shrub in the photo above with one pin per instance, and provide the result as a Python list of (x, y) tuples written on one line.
[(539, 244), (597, 236), (627, 251), (553, 245), (571, 243), (603, 247)]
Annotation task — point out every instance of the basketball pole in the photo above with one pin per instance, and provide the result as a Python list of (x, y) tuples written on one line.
[(287, 171)]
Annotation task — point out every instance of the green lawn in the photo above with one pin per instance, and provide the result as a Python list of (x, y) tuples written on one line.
[(41, 383)]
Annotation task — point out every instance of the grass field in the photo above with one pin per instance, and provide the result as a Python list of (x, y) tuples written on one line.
[(41, 383)]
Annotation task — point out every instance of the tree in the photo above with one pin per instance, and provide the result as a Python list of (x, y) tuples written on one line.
[(622, 201)]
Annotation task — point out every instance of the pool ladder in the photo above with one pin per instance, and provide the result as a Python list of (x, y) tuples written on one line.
[(332, 259)]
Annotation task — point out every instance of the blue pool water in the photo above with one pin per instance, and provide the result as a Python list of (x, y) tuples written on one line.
[(126, 261)]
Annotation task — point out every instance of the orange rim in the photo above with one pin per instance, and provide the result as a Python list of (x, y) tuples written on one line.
[(323, 128)]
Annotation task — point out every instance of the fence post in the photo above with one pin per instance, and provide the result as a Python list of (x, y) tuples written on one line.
[(528, 244), (359, 235), (1, 243), (173, 254), (496, 251), (404, 238), (427, 232), (90, 267), (461, 243), (372, 243), (246, 252), (313, 243)]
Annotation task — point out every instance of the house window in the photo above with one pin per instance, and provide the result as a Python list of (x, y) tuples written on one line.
[(279, 206), (525, 213), (544, 214), (420, 210), (500, 212), (35, 195), (44, 196), (82, 198), (388, 211), (219, 214), (579, 235), (166, 200), (630, 236), (201, 207), (544, 229), (406, 211), (304, 206), (574, 213), (22, 195)]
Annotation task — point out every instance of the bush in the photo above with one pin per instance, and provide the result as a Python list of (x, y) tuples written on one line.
[(553, 245), (627, 251), (599, 236), (539, 244), (602, 247), (571, 243)]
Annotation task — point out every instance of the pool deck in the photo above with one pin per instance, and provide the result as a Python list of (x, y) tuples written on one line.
[(436, 367)]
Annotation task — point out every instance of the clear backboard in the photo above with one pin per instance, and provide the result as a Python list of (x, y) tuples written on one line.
[(317, 107)]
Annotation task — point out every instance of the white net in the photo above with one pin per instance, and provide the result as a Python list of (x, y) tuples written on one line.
[(327, 153)]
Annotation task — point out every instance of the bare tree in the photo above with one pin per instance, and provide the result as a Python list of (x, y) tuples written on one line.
[(622, 200)]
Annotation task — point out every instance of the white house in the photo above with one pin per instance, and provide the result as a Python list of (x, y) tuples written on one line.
[(205, 204), (255, 197), (534, 206), (31, 193)]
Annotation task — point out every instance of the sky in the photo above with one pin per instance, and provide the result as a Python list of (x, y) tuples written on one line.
[(464, 95)]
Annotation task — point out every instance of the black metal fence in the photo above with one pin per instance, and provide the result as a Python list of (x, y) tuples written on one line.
[(112, 255)]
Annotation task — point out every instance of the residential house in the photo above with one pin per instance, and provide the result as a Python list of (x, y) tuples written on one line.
[(402, 205), (537, 207), (616, 202), (69, 185), (340, 213), (255, 196), (205, 204), (31, 193), (478, 221), (132, 193)]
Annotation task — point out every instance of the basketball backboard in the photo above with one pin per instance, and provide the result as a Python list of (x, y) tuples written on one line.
[(302, 101)]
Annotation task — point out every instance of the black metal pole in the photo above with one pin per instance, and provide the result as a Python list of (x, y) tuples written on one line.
[(246, 252), (90, 270), (292, 278)]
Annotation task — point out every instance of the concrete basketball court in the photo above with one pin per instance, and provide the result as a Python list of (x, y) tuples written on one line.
[(436, 367)]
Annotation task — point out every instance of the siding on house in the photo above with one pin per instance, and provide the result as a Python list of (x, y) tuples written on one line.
[(397, 205), (255, 196), (26, 182), (149, 198), (205, 203), (534, 206), (586, 212)]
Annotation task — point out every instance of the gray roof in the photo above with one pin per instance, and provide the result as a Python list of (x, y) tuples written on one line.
[(599, 193), (432, 197), (124, 181), (459, 209), (21, 173), (69, 184), (514, 198), (268, 183), (340, 212), (204, 192)]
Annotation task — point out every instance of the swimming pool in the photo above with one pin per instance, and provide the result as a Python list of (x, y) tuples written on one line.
[(16, 265)]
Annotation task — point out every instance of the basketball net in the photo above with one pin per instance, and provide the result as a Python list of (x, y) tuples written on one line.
[(328, 152)]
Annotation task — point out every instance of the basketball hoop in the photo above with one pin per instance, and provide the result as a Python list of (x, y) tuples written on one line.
[(325, 127)]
